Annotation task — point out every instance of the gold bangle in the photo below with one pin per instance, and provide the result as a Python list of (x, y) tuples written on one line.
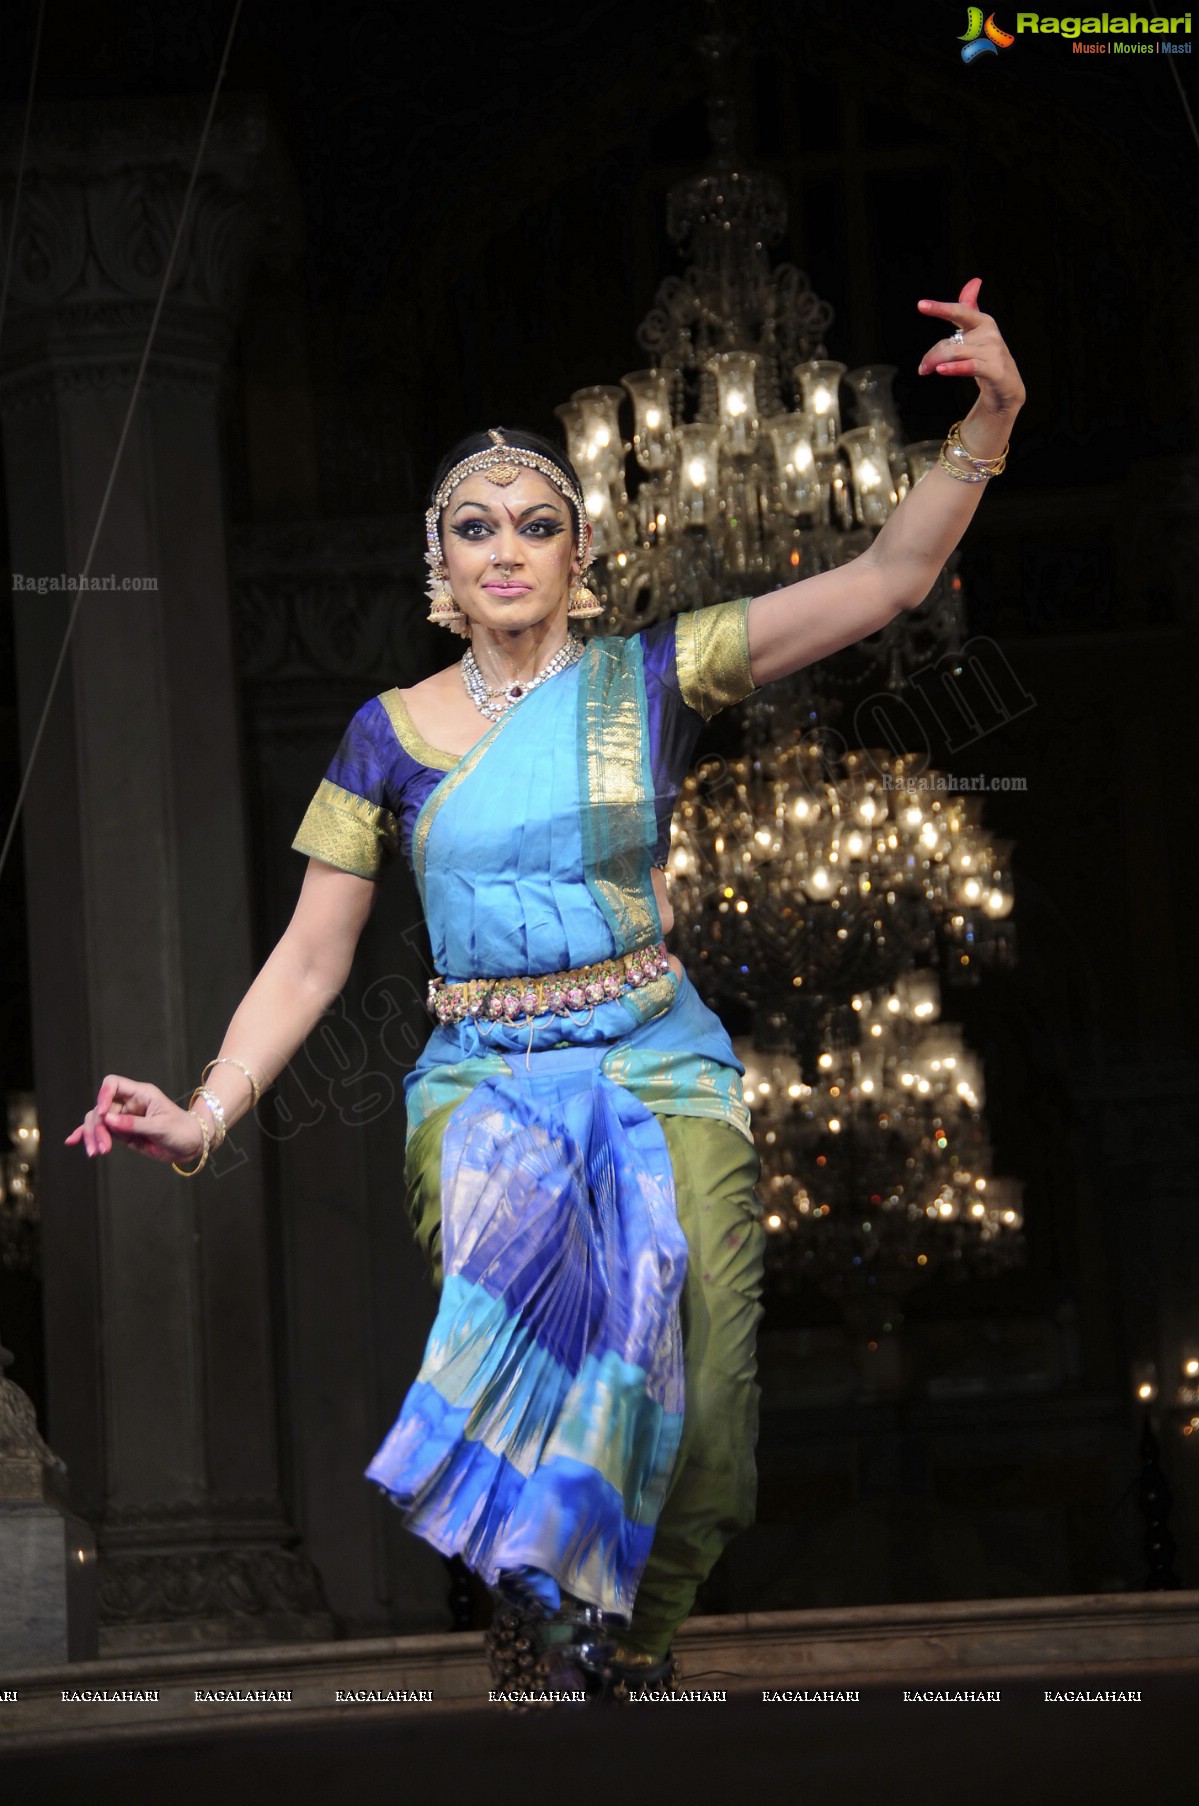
[(228, 1060), (206, 1134), (216, 1110), (992, 467), (963, 476)]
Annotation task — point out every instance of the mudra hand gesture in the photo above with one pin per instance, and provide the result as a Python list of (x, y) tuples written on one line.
[(141, 1116), (975, 348)]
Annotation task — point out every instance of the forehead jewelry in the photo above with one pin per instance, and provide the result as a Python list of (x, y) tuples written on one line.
[(500, 464)]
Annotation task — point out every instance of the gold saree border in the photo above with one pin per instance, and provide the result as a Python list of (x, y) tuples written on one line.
[(616, 790), (712, 656), (347, 831), (410, 736), (443, 791), (681, 1084)]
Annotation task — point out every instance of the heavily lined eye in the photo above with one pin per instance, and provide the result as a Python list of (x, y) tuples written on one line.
[(465, 529), (544, 529)]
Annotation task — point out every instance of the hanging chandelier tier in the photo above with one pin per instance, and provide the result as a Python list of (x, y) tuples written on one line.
[(737, 474), (831, 876), (881, 1165), (744, 456)]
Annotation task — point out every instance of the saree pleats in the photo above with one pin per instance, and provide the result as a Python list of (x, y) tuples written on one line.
[(539, 1438)]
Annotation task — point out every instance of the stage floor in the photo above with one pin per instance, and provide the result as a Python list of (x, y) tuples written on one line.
[(1016, 1702)]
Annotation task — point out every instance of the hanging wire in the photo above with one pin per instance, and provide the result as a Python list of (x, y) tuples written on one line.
[(16, 199), (129, 411)]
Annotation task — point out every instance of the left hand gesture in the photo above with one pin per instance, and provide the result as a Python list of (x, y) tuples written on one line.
[(980, 353)]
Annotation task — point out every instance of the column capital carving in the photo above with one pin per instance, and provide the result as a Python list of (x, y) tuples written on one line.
[(97, 216)]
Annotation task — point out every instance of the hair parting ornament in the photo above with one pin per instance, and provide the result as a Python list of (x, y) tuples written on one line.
[(501, 464)]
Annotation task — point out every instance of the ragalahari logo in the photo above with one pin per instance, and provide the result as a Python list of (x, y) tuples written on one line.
[(982, 36)]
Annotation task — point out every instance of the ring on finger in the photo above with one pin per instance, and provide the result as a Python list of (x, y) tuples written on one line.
[(958, 337)]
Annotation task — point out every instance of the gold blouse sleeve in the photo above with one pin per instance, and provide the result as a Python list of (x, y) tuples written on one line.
[(712, 657), (347, 831)]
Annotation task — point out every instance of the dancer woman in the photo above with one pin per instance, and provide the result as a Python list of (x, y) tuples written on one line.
[(579, 1164)]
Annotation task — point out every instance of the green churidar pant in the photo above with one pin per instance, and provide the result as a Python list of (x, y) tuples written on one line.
[(713, 1489)]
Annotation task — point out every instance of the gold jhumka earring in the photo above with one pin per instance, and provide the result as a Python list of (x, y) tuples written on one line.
[(443, 608), (584, 604)]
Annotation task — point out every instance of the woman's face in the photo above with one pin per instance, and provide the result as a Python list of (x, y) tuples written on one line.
[(510, 551)]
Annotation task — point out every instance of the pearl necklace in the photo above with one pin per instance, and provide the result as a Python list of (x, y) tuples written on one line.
[(494, 703)]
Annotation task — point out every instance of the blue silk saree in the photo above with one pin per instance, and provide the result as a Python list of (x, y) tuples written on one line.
[(538, 1439)]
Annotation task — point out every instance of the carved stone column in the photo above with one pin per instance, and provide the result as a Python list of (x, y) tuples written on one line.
[(160, 1341)]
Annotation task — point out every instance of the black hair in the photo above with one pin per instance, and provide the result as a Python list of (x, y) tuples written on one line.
[(477, 442)]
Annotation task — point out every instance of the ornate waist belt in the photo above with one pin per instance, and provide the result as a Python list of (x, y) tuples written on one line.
[(553, 994)]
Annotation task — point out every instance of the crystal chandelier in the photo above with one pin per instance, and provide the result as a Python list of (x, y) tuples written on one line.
[(879, 1172), (840, 874), (818, 892), (739, 472)]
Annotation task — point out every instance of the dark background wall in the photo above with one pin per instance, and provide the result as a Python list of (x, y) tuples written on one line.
[(479, 228)]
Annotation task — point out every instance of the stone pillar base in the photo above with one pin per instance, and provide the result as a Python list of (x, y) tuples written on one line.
[(48, 1585), (188, 1579)]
